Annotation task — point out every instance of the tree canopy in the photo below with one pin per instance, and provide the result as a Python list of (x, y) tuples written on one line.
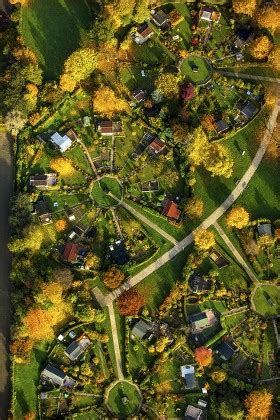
[(238, 218), (258, 404)]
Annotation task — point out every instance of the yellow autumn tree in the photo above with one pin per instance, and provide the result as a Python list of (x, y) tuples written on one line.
[(194, 208), (258, 404), (218, 161), (167, 84), (261, 47), (219, 376), (106, 102), (247, 7), (268, 17), (204, 239), (197, 146), (50, 293), (78, 66), (21, 2), (63, 166), (274, 58), (238, 218)]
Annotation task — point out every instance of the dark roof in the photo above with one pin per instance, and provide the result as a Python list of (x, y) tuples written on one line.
[(199, 284), (221, 126), (106, 127), (264, 229), (90, 233), (157, 146), (139, 95), (44, 180), (77, 348), (70, 252), (225, 350), (244, 32), (141, 328), (193, 413), (171, 210), (53, 374), (118, 253), (249, 110), (42, 208), (144, 30), (160, 17)]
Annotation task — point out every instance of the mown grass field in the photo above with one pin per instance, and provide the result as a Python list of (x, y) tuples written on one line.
[(267, 300), (53, 29)]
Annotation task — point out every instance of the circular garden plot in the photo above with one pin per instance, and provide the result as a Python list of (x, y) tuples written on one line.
[(267, 300), (101, 192), (196, 69), (123, 399)]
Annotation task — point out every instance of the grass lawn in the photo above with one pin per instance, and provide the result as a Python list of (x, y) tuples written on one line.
[(138, 356), (216, 305), (187, 69), (53, 29), (267, 300), (116, 396), (100, 191), (25, 382), (232, 320), (78, 157), (157, 285)]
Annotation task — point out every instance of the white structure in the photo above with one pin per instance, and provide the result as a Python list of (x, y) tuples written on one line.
[(63, 143)]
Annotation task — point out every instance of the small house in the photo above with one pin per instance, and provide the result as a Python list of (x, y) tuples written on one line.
[(170, 210), (221, 126), (70, 252), (225, 350), (62, 142), (210, 15), (43, 212), (139, 95), (77, 348), (108, 128), (71, 134), (198, 284), (248, 110), (264, 229), (141, 329), (202, 320), (86, 121), (188, 374), (244, 35), (43, 181), (56, 376), (143, 33), (157, 147), (193, 413), (118, 253), (160, 19)]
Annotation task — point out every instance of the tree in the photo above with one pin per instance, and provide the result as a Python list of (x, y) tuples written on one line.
[(197, 146), (230, 407), (258, 404), (161, 344), (274, 58), (78, 66), (130, 302), (15, 121), (107, 103), (194, 208), (63, 166), (131, 227), (63, 276), (180, 131), (167, 85), (219, 376), (21, 349), (208, 122), (61, 225), (217, 160), (50, 294), (248, 8), (92, 261), (20, 215), (261, 47), (203, 356), (113, 277), (187, 92), (204, 239), (238, 218), (32, 240), (268, 17)]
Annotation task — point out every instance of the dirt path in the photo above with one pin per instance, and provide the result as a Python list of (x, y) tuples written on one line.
[(6, 191)]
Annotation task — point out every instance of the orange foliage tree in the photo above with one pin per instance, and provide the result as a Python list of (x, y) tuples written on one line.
[(61, 225), (130, 302), (20, 348), (106, 102), (268, 17), (113, 277), (258, 404), (203, 356)]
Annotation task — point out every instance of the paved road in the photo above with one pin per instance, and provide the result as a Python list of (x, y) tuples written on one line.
[(145, 220), (248, 76), (116, 341), (180, 246), (6, 191), (236, 254)]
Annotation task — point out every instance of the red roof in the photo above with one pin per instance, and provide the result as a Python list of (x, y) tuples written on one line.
[(70, 252), (171, 210), (157, 146), (106, 127)]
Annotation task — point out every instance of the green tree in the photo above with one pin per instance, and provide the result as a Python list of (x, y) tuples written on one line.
[(167, 85), (194, 208), (230, 408)]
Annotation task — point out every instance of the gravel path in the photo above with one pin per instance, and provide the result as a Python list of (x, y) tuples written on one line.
[(248, 76), (6, 191)]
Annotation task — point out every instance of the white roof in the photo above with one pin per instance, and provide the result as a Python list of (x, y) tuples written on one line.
[(62, 142), (206, 15), (186, 370)]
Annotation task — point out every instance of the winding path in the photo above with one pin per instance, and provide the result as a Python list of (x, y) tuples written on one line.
[(6, 192), (210, 220)]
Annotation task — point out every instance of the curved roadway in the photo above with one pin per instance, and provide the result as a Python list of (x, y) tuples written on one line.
[(6, 192)]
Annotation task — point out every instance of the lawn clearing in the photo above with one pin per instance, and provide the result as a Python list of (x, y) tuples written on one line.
[(195, 68), (124, 399), (78, 157), (101, 189), (267, 300), (53, 29), (26, 377)]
